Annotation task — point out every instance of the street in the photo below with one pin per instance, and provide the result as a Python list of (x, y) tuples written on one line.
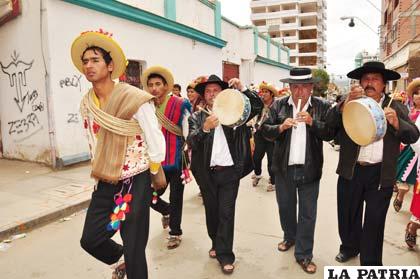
[(53, 251)]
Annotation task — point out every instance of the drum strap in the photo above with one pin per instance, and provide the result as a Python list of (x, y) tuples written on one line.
[(165, 122)]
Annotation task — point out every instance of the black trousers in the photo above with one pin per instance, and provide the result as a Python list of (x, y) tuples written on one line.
[(176, 199), (96, 240), (299, 226), (356, 237), (219, 196), (262, 147)]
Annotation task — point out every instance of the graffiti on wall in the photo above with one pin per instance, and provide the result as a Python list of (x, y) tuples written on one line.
[(17, 70), (74, 81), (72, 118), (27, 122)]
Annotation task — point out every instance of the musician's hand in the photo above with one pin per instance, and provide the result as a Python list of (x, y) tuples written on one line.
[(211, 122), (392, 118), (356, 91), (287, 124), (305, 117), (236, 83)]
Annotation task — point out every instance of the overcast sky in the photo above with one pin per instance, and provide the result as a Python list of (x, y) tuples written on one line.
[(343, 42)]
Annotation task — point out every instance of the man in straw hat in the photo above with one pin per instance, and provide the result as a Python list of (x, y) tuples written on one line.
[(221, 156), (263, 146), (172, 112), (297, 123), (125, 144), (367, 173)]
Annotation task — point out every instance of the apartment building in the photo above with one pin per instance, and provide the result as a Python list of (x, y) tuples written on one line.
[(298, 24), (400, 41), (363, 57)]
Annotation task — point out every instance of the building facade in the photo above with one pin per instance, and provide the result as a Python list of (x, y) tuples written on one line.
[(400, 41), (40, 89), (298, 24), (363, 57)]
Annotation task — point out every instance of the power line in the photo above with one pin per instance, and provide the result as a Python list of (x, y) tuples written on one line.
[(373, 5)]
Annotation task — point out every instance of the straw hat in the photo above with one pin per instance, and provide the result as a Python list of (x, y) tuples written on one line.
[(162, 71), (103, 40), (412, 86), (269, 87)]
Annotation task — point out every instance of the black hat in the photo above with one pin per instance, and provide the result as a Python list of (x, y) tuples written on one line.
[(299, 75), (374, 67), (212, 79)]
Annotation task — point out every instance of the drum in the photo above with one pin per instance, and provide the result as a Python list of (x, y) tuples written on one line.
[(364, 121), (232, 108)]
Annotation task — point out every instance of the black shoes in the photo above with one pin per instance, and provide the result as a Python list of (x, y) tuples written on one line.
[(342, 258)]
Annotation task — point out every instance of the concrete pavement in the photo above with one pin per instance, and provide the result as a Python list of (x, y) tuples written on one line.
[(32, 195), (257, 232)]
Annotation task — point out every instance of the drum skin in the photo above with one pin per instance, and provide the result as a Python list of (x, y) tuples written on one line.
[(232, 108), (364, 121)]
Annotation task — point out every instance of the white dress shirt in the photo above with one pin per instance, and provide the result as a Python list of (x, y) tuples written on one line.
[(298, 139), (154, 137), (220, 154), (373, 152)]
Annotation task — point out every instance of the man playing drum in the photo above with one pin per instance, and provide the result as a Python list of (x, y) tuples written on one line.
[(297, 123), (221, 156), (367, 173)]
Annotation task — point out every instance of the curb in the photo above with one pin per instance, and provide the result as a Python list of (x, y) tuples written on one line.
[(43, 219)]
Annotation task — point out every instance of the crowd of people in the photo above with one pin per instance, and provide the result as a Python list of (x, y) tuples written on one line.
[(145, 142)]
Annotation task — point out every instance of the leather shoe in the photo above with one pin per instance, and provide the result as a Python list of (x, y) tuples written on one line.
[(285, 245), (342, 258)]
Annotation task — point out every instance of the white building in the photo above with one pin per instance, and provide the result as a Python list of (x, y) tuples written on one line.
[(40, 89), (298, 24), (363, 57)]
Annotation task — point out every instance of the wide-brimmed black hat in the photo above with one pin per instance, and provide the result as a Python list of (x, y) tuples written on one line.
[(374, 67), (199, 88), (299, 75)]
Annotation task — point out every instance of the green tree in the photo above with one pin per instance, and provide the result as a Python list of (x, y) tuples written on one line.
[(321, 82)]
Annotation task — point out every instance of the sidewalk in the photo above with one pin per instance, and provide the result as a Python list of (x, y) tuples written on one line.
[(32, 195)]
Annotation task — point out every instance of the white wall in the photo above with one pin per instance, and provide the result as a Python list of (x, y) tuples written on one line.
[(274, 53), (23, 103), (247, 44), (284, 57), (232, 35), (267, 73), (186, 58), (153, 6), (262, 47), (195, 14)]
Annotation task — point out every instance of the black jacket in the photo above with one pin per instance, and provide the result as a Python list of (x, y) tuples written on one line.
[(349, 151), (315, 134), (201, 143)]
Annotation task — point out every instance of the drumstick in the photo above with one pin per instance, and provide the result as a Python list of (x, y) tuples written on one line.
[(392, 98), (204, 110)]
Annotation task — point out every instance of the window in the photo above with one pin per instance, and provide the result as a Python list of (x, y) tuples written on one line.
[(132, 73)]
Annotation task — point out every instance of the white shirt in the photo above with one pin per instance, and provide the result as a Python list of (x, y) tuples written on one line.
[(220, 154), (298, 140), (153, 135), (373, 152)]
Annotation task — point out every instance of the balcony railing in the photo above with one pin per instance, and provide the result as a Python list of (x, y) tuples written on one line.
[(289, 13)]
